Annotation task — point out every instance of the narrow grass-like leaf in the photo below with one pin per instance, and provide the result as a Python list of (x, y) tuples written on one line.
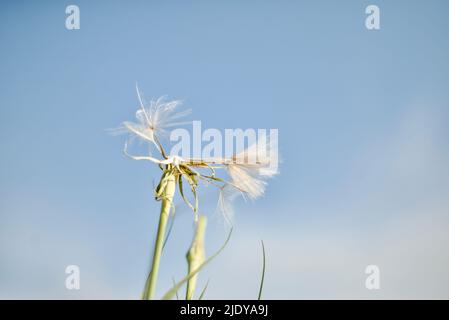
[(263, 271), (203, 291), (170, 227), (195, 211), (174, 283), (170, 293), (146, 288), (181, 190)]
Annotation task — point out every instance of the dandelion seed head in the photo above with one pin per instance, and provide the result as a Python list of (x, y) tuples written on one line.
[(248, 170)]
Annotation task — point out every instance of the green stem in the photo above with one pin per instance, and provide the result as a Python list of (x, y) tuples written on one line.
[(196, 255), (167, 200)]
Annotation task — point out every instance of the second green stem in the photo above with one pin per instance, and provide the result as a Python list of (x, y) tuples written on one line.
[(167, 200)]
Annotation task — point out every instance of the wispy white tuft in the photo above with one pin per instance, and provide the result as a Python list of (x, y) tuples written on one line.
[(154, 119), (251, 167), (226, 197)]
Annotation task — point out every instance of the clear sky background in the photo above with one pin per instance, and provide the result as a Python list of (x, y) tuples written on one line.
[(363, 119)]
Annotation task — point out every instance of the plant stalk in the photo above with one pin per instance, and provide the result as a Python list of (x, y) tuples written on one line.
[(166, 204), (196, 255)]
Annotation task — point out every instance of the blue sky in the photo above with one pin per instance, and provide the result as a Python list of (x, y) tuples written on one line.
[(363, 128)]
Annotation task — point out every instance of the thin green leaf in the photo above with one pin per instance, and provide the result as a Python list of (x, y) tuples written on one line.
[(170, 227), (186, 200), (195, 211), (174, 283), (146, 289), (170, 293), (263, 271), (203, 291)]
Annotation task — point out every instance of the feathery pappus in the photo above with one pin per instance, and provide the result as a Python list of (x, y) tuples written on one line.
[(247, 171)]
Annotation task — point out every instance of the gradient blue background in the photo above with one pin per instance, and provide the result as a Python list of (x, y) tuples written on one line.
[(363, 134)]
